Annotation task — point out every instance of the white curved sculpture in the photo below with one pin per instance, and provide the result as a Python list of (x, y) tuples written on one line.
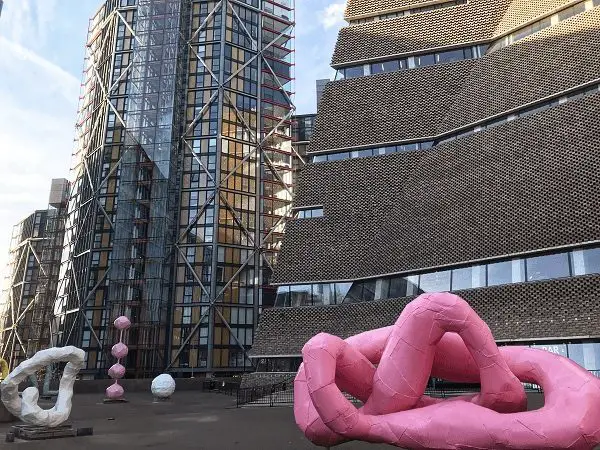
[(163, 386), (27, 408)]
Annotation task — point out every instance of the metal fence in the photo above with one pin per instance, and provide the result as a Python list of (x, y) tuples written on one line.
[(280, 393)]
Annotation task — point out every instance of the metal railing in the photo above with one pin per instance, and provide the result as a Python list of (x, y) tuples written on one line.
[(280, 393)]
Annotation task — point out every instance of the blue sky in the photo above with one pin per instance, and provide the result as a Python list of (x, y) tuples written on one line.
[(41, 59)]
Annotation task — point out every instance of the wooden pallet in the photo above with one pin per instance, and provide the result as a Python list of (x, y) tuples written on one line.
[(35, 433)]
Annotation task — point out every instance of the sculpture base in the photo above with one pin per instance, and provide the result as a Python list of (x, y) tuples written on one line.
[(5, 415), (109, 401), (35, 433), (161, 399)]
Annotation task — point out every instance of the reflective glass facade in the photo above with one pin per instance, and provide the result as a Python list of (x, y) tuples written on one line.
[(184, 178)]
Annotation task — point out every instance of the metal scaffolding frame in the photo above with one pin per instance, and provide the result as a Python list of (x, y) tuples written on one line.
[(32, 280)]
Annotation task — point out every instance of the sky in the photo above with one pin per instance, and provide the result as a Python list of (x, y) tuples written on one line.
[(42, 49)]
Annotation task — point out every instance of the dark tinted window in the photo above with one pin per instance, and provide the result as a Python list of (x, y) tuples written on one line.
[(385, 66), (449, 56), (425, 60), (353, 72)]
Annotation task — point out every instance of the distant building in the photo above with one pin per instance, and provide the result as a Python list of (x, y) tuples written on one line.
[(32, 278), (1, 5)]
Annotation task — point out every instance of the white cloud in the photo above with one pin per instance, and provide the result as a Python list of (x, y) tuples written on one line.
[(333, 15), (28, 22)]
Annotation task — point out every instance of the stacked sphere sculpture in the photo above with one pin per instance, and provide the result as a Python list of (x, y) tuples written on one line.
[(119, 351)]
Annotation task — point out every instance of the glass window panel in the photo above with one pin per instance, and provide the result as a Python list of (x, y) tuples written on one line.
[(301, 295), (576, 353), (341, 290), (425, 60), (318, 294), (283, 297), (398, 287), (412, 285), (385, 66), (548, 267), (354, 72), (369, 291), (573, 10), (435, 282), (338, 156), (449, 56), (586, 261), (355, 294), (468, 278), (506, 272)]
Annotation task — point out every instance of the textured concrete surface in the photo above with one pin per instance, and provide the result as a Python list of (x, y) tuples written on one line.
[(192, 420)]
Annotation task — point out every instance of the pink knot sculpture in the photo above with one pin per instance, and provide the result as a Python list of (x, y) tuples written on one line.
[(440, 335), (119, 351)]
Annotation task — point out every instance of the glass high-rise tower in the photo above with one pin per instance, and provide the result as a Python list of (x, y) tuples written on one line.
[(182, 182)]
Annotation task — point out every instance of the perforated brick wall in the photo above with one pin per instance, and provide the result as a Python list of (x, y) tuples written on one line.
[(432, 100), (530, 184), (529, 311)]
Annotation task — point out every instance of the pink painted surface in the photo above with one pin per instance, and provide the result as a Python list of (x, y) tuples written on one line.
[(116, 371), (440, 335), (122, 323), (115, 391), (119, 350)]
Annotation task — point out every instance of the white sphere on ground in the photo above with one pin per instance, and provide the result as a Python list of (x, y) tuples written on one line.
[(163, 386)]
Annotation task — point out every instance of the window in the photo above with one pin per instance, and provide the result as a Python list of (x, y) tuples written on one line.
[(547, 267), (435, 282), (570, 12), (386, 66), (338, 156), (354, 72), (424, 60), (586, 261), (397, 287), (450, 56), (310, 213), (468, 278), (505, 272), (587, 354), (301, 295)]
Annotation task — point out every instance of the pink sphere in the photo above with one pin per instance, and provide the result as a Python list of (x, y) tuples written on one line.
[(122, 323), (119, 350), (115, 391), (116, 372)]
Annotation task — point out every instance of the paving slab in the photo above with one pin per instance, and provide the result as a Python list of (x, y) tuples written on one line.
[(191, 420)]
